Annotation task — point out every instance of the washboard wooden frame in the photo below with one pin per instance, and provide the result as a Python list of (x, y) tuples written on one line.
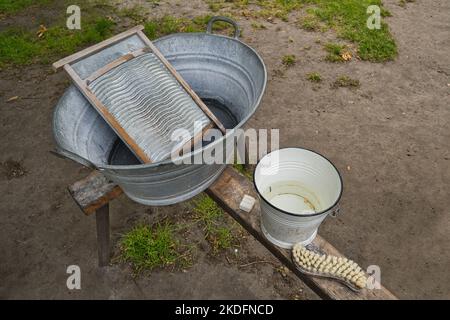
[(82, 84)]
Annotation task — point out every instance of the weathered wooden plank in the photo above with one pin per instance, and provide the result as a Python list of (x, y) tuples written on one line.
[(103, 239), (96, 48), (94, 192), (114, 64), (228, 192)]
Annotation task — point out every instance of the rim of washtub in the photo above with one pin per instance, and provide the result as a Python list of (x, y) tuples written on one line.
[(334, 205), (208, 32)]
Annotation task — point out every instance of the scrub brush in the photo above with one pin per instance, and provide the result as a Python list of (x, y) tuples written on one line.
[(317, 264)]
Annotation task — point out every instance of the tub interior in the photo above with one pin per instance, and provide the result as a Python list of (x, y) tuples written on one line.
[(298, 181)]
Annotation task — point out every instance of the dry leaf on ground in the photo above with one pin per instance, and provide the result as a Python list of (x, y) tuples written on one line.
[(41, 31), (346, 56), (12, 99)]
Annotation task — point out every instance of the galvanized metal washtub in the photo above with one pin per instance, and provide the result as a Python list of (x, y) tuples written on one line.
[(226, 73)]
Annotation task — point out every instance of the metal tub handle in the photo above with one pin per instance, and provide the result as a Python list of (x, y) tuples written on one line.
[(237, 30), (62, 153)]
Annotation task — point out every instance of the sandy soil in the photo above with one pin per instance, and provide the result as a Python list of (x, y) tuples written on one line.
[(389, 138)]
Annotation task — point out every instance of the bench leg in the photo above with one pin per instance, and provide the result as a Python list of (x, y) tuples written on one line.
[(102, 221)]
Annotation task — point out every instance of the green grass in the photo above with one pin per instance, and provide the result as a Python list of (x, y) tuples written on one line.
[(136, 13), (335, 51), (267, 8), (170, 24), (258, 26), (346, 82), (17, 47), (147, 247), (61, 41), (243, 170), (21, 47), (402, 3), (347, 17), (311, 23), (289, 60), (314, 77), (277, 8), (216, 5), (13, 6), (210, 215)]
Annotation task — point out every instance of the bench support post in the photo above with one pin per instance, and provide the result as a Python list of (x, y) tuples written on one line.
[(103, 240), (94, 193)]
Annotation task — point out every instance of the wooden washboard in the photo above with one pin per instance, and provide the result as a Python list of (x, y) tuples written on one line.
[(139, 94)]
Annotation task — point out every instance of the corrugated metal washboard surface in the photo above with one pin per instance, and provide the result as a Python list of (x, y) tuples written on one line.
[(140, 95), (149, 104)]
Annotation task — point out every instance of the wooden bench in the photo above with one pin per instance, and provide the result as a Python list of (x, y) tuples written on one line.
[(94, 192)]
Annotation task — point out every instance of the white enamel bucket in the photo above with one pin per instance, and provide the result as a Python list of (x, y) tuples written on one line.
[(298, 189)]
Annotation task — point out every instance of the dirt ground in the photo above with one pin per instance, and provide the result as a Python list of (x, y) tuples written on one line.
[(389, 138)]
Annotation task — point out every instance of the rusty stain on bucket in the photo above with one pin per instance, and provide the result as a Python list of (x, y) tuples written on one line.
[(292, 196)]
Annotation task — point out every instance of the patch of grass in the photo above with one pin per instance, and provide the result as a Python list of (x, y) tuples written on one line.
[(314, 77), (13, 169), (17, 48), (164, 26), (20, 47), (346, 82), (61, 41), (136, 13), (288, 60), (335, 52), (170, 24), (243, 170), (277, 8), (223, 239), (216, 5), (147, 247), (23, 47), (258, 26), (402, 3), (217, 233), (154, 2), (13, 6), (349, 19), (311, 23), (239, 4), (228, 6)]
